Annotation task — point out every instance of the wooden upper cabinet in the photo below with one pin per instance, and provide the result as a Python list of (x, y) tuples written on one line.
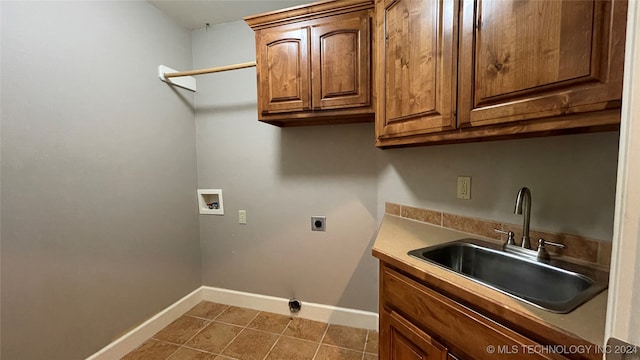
[(314, 63), (524, 60), (283, 71), (468, 70), (416, 65), (341, 54)]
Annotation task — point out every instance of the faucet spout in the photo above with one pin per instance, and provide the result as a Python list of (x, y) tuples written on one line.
[(523, 206)]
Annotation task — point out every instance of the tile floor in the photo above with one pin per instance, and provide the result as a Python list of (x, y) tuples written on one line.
[(214, 331)]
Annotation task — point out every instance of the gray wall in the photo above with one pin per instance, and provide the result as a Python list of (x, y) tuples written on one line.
[(99, 224), (572, 180), (281, 177)]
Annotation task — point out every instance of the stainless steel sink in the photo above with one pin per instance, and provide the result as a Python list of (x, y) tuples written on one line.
[(558, 286)]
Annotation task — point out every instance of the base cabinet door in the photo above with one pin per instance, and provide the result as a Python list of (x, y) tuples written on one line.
[(404, 341), (411, 313)]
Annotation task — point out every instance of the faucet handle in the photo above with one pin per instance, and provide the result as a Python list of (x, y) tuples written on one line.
[(543, 242), (510, 236), (542, 251)]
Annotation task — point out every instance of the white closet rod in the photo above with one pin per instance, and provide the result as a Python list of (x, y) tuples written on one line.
[(210, 70), (185, 79)]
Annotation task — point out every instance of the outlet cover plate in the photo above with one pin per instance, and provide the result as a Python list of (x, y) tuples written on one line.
[(318, 223), (464, 187)]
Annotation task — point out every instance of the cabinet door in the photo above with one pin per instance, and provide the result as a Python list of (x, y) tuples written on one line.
[(522, 60), (340, 62), (416, 66), (401, 340), (283, 70), (458, 326)]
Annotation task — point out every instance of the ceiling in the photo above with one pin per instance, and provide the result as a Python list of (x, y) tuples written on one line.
[(196, 14)]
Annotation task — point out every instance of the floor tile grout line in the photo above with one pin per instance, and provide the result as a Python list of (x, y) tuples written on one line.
[(230, 342), (242, 329), (280, 335), (267, 331), (341, 347), (238, 334), (206, 318), (346, 347), (211, 321), (291, 318), (317, 342), (221, 312), (199, 350), (321, 340), (156, 340), (174, 351), (366, 340), (317, 350), (272, 346), (207, 323), (253, 318)]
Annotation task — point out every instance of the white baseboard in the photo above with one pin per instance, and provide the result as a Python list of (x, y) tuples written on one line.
[(134, 338), (311, 311)]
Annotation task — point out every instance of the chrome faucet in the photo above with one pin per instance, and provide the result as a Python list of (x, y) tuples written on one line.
[(523, 200)]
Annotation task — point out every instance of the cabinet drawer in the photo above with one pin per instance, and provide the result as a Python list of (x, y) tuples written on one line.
[(464, 330)]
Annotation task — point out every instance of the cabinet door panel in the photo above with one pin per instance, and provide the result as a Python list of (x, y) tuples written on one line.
[(416, 66), (340, 62), (461, 328), (404, 341), (522, 45), (523, 60), (283, 70)]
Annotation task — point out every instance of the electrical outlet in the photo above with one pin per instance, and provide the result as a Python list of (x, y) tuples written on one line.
[(242, 216), (318, 223), (464, 187)]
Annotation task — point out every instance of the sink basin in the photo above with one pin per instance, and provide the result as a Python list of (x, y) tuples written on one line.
[(557, 287)]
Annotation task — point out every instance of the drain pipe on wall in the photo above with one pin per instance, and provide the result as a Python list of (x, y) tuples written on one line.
[(295, 305)]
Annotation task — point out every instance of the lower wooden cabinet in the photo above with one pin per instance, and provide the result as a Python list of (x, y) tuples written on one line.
[(418, 322), (405, 341)]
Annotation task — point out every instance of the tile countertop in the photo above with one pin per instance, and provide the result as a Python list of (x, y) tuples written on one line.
[(397, 236)]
